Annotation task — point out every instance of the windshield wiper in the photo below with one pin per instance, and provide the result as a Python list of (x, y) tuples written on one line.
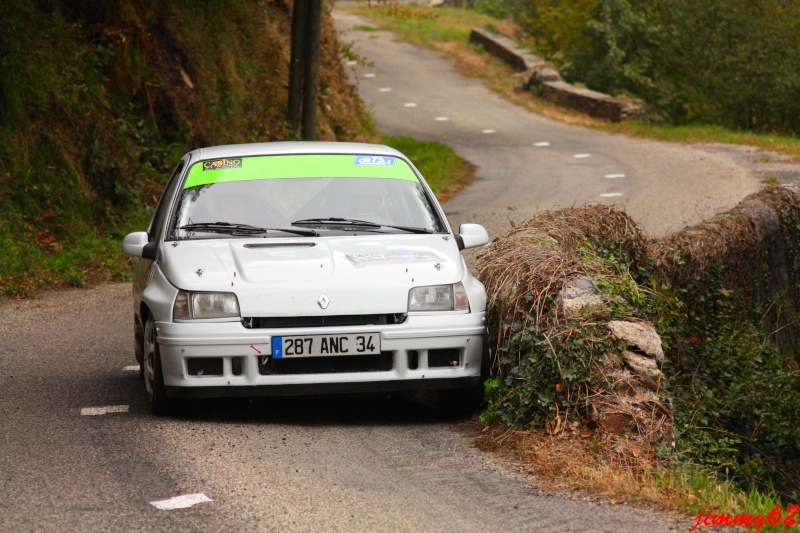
[(243, 229), (355, 222)]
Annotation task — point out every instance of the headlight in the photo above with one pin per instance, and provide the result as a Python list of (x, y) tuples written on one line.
[(438, 298), (190, 305)]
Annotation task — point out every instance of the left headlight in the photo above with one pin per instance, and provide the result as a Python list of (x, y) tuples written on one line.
[(189, 305), (438, 298)]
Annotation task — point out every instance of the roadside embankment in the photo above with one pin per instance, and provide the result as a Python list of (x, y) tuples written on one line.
[(680, 350), (98, 100)]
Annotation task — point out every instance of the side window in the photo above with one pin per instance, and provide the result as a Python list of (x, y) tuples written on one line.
[(162, 210)]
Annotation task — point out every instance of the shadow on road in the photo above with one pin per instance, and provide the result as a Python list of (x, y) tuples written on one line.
[(338, 410)]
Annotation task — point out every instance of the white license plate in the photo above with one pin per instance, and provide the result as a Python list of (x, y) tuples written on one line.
[(323, 345)]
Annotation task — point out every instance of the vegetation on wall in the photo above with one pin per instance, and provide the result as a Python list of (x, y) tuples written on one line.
[(98, 99), (723, 295)]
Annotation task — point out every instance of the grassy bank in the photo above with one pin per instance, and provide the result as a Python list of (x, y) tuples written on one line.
[(98, 101)]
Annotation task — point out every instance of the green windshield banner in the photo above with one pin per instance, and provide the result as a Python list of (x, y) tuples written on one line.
[(298, 166)]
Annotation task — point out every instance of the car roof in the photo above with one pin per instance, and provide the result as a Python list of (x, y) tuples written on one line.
[(291, 147)]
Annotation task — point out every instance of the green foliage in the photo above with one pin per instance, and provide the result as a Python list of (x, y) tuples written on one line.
[(549, 373), (733, 63), (737, 398)]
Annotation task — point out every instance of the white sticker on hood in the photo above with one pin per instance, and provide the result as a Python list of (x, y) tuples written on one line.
[(394, 257)]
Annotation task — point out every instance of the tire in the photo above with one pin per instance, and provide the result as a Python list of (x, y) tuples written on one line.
[(462, 403), (138, 344), (151, 370)]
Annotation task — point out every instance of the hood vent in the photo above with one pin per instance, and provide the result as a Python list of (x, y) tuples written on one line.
[(281, 245)]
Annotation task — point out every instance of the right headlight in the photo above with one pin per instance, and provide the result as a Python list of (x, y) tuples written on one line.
[(189, 305), (438, 298)]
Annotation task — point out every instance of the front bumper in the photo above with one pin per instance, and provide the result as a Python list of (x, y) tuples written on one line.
[(411, 352)]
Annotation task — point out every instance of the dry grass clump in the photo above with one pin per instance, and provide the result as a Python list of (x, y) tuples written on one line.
[(743, 240), (585, 461), (582, 460), (599, 225), (729, 238), (539, 257)]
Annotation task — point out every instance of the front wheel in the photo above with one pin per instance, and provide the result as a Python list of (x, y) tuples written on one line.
[(465, 402), (151, 369)]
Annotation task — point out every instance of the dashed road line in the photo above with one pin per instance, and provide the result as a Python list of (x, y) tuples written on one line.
[(108, 409), (369, 75), (581, 156), (541, 144), (385, 89), (409, 104), (441, 119), (614, 176), (352, 63), (181, 502), (131, 368), (489, 131), (610, 194)]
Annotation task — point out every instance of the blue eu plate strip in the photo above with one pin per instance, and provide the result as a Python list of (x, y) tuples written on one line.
[(277, 347)]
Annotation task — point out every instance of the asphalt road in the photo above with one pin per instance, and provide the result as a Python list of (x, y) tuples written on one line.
[(330, 464), (527, 163), (348, 464)]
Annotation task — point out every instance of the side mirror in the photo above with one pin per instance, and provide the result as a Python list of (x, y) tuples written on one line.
[(137, 245), (472, 236)]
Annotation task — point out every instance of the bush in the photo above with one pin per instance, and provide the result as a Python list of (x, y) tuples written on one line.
[(730, 62)]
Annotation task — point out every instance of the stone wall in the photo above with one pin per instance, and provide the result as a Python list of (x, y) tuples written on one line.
[(754, 249), (544, 79)]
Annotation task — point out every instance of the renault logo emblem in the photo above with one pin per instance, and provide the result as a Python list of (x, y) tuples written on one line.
[(323, 301)]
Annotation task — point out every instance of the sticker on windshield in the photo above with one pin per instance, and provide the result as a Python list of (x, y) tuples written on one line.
[(219, 164), (375, 160), (290, 166), (393, 258)]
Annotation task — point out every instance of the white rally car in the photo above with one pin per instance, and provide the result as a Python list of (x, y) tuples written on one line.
[(305, 268)]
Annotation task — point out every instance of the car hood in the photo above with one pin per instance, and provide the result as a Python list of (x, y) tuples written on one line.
[(288, 277)]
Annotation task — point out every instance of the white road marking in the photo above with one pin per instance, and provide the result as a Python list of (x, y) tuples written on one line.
[(614, 176), (489, 131), (441, 119), (369, 75), (610, 194), (582, 156), (96, 411), (352, 62), (181, 502), (545, 143), (385, 89), (409, 104), (131, 368)]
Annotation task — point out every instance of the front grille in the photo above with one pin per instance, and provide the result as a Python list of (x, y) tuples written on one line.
[(320, 321), (328, 365)]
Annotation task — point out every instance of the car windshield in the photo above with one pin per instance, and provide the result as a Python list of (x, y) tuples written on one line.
[(284, 206)]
